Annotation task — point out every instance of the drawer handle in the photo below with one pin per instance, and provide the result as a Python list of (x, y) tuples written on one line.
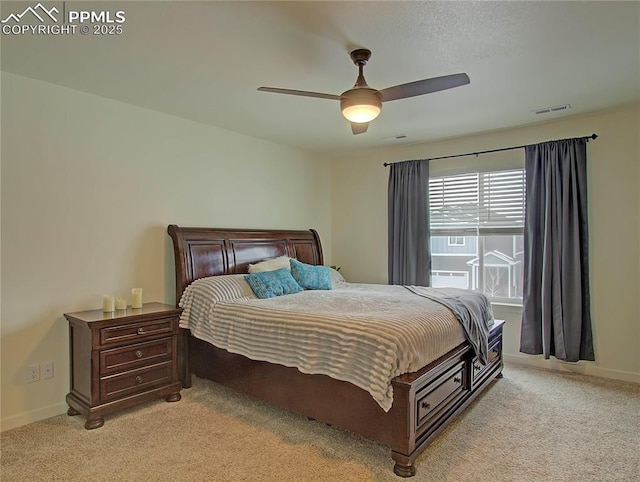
[(457, 380), (140, 331), (426, 405), (138, 379), (138, 354)]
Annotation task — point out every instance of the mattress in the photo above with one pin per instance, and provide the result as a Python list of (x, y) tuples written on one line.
[(361, 333)]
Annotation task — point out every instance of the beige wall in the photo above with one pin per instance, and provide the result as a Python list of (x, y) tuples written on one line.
[(360, 224), (89, 186)]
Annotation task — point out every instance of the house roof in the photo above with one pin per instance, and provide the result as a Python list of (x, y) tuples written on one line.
[(494, 258)]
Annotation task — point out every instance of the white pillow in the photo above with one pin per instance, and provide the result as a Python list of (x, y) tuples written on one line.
[(336, 277), (270, 265)]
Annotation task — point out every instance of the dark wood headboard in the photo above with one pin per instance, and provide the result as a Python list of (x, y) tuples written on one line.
[(202, 252)]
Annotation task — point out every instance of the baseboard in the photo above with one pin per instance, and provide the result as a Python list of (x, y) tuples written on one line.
[(583, 368), (26, 418)]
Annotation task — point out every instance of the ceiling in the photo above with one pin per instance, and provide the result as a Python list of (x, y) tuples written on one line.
[(204, 60)]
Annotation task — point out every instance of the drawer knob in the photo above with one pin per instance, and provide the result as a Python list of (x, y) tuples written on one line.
[(426, 405), (457, 380), (477, 368), (140, 331), (138, 379), (138, 354)]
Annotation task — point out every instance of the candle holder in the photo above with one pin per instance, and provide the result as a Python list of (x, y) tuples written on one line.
[(108, 303), (121, 303), (136, 298)]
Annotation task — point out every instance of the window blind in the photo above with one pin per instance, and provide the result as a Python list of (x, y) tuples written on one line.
[(478, 203)]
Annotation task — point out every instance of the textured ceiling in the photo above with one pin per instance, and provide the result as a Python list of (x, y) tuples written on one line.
[(204, 61)]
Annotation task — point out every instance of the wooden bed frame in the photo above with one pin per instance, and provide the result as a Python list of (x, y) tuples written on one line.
[(424, 402)]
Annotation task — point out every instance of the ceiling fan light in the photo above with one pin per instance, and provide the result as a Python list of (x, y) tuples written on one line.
[(360, 105), (361, 113)]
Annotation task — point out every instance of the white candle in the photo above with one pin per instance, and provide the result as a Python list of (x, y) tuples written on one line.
[(108, 303), (121, 303), (136, 298)]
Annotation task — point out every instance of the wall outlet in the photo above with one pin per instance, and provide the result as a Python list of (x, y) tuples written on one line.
[(33, 373), (47, 370)]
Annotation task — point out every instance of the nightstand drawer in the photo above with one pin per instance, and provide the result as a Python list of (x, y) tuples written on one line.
[(134, 356), (132, 332), (135, 381)]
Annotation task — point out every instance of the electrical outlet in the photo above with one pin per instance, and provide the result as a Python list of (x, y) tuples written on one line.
[(33, 373), (47, 370)]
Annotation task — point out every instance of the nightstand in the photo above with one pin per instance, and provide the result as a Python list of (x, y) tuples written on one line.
[(121, 359)]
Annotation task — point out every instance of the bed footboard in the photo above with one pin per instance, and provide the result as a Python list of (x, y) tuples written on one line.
[(425, 402)]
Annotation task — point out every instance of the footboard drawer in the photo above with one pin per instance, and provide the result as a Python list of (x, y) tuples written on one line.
[(440, 394), (480, 371)]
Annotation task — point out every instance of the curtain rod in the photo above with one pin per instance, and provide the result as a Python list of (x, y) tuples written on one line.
[(592, 136)]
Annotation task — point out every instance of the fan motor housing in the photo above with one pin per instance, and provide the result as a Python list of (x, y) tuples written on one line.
[(359, 96), (365, 100)]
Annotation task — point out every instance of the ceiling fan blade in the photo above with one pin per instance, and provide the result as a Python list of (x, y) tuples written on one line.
[(359, 127), (426, 86), (303, 93)]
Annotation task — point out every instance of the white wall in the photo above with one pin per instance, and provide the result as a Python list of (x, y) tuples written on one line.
[(360, 224), (89, 186)]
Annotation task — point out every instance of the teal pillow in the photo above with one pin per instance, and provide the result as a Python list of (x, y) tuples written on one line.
[(269, 284), (310, 277)]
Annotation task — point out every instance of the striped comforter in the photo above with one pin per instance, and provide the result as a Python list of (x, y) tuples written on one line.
[(362, 334)]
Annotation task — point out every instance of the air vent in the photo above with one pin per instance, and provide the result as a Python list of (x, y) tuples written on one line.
[(555, 108)]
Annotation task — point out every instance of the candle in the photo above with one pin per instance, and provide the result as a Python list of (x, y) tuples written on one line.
[(136, 298), (108, 303), (121, 303)]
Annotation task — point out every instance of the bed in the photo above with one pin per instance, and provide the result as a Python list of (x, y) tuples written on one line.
[(424, 402)]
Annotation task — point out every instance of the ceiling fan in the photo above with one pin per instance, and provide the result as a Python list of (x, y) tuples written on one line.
[(361, 104)]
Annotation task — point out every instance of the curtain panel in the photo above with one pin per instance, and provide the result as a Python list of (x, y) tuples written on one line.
[(408, 227), (556, 317)]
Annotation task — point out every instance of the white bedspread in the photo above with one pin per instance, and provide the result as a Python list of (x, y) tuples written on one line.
[(362, 334)]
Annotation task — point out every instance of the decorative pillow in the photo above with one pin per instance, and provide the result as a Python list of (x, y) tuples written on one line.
[(270, 265), (310, 277), (268, 284), (336, 277)]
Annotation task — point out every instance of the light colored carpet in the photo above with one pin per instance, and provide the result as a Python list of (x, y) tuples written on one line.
[(532, 425)]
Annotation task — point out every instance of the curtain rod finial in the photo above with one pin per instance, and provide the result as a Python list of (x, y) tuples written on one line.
[(594, 136)]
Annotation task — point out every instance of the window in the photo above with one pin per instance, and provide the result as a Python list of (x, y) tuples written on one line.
[(477, 227)]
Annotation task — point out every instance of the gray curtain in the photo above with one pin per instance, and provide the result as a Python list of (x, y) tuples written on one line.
[(409, 247), (556, 317)]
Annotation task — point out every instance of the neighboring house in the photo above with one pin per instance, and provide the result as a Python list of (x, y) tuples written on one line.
[(501, 275), (455, 263)]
